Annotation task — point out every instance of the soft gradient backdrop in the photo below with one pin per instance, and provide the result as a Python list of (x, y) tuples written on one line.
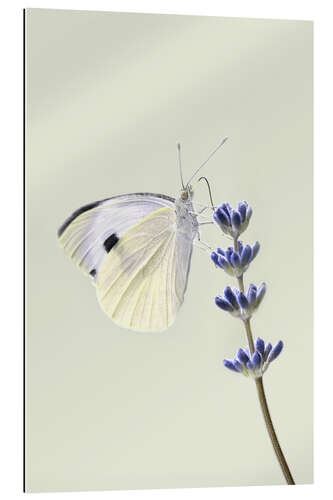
[(108, 96)]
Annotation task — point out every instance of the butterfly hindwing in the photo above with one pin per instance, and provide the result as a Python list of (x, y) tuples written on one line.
[(142, 281)]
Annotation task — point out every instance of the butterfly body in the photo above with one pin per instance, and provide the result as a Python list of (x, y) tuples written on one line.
[(187, 222)]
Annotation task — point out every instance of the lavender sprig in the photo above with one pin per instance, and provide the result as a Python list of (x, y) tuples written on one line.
[(254, 360)]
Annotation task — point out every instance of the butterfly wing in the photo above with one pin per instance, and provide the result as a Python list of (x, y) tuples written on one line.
[(89, 234), (142, 281)]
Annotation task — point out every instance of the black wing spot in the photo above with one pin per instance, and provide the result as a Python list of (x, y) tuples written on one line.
[(110, 242), (93, 273)]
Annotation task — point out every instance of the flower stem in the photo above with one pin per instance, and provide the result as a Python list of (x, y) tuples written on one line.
[(262, 397), (272, 434), (249, 335)]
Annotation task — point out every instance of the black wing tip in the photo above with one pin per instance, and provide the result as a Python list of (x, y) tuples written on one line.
[(76, 214)]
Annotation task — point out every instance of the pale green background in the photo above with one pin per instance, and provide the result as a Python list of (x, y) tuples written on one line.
[(108, 97)]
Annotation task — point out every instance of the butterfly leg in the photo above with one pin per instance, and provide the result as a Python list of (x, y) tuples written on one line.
[(200, 214), (206, 207), (202, 210), (201, 244), (204, 249)]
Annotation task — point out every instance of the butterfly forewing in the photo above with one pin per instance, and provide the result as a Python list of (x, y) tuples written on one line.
[(90, 233)]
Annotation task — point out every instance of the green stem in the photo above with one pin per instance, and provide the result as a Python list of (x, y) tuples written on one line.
[(262, 398)]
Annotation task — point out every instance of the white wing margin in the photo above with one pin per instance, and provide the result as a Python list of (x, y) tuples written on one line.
[(91, 231), (142, 281)]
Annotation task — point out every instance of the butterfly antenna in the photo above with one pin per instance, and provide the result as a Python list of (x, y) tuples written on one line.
[(209, 190), (180, 165), (209, 157)]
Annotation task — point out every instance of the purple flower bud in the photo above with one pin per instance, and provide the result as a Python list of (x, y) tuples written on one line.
[(275, 352), (242, 206), (223, 304), (239, 247), (249, 365), (235, 260), (220, 217), (260, 346), (249, 212), (230, 364), (238, 365), (242, 356), (260, 294), (256, 359), (228, 253), (246, 255), (223, 263), (227, 209), (255, 250), (215, 258), (231, 297), (242, 301), (268, 349), (236, 220), (252, 295)]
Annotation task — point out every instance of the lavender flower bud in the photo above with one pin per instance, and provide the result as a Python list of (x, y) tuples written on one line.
[(255, 366), (233, 222), (235, 263), (239, 304)]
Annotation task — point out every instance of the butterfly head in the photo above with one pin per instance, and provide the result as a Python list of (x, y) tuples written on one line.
[(186, 193)]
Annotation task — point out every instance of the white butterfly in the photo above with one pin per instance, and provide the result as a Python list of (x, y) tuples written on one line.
[(137, 248)]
